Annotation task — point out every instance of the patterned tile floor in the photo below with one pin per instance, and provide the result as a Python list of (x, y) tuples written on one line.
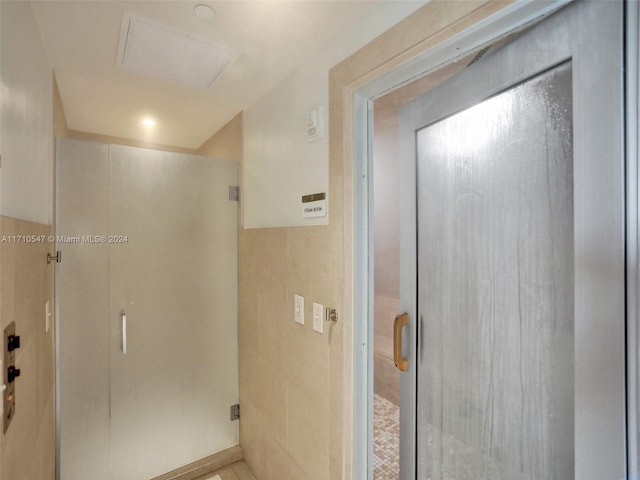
[(386, 439)]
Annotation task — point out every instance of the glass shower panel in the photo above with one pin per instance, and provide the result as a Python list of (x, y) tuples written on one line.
[(496, 295), (82, 288), (152, 235), (175, 278)]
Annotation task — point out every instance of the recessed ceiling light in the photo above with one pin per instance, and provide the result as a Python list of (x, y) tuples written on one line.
[(148, 122), (204, 11)]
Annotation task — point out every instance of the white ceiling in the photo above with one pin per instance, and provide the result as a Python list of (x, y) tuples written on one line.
[(272, 38)]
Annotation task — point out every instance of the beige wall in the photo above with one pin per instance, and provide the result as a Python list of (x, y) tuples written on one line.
[(289, 375), (226, 143), (27, 449), (295, 385), (60, 128)]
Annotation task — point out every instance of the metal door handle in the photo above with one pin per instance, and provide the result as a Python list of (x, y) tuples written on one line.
[(123, 317), (401, 362)]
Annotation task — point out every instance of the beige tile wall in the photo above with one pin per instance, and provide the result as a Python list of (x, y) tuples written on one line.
[(28, 447), (295, 385), (287, 371)]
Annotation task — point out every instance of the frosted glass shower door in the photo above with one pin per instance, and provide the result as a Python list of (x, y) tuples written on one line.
[(175, 279), (496, 295), (151, 236), (519, 326)]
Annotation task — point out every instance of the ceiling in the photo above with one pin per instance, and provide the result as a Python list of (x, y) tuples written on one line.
[(271, 38)]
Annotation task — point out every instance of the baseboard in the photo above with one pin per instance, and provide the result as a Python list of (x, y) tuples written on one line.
[(207, 465)]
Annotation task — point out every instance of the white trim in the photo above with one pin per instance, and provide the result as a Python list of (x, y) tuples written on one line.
[(363, 293), (56, 322), (507, 20), (512, 18), (632, 95)]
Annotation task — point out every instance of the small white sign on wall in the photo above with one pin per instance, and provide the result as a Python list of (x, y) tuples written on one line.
[(314, 205)]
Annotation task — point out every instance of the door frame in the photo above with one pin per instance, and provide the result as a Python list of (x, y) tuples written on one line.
[(512, 18)]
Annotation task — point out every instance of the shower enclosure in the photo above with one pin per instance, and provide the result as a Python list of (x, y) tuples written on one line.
[(147, 310)]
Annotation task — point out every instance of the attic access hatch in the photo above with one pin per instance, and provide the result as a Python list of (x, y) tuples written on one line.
[(154, 49)]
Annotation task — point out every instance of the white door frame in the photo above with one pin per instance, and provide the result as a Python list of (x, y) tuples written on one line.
[(509, 19)]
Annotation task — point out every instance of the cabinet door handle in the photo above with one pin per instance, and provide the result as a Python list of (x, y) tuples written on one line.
[(123, 317), (401, 362)]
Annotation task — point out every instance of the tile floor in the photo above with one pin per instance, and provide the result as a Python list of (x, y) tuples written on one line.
[(386, 439), (386, 434), (235, 471)]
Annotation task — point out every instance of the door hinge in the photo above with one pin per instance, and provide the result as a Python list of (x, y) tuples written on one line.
[(234, 193), (235, 412)]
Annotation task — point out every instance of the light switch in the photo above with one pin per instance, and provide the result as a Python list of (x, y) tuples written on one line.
[(47, 316), (318, 313), (315, 122), (298, 305)]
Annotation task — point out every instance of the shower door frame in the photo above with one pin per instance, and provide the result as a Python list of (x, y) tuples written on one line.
[(473, 39)]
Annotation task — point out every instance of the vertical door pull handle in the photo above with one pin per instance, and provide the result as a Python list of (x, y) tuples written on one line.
[(401, 362), (123, 317)]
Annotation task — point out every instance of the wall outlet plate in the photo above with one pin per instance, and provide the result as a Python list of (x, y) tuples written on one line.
[(318, 318), (298, 309)]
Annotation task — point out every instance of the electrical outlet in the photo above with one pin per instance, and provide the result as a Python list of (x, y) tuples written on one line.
[(318, 314), (298, 312)]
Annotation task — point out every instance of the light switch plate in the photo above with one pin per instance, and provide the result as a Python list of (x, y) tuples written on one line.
[(318, 313), (298, 309), (47, 316)]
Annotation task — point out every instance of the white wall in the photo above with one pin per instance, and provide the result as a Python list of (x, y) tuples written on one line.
[(26, 102), (280, 165)]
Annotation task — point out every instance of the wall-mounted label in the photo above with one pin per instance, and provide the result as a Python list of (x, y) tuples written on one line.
[(314, 205), (314, 209)]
